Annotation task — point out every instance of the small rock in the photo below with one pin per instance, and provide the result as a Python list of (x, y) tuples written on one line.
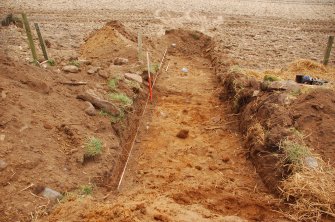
[(2, 137), (183, 134), (198, 167), (3, 165), (85, 62), (90, 110), (51, 194), (93, 70), (225, 159), (213, 167), (3, 94), (120, 61), (103, 74), (134, 77), (184, 70), (47, 126), (311, 162), (233, 219), (283, 85), (255, 93), (70, 68)]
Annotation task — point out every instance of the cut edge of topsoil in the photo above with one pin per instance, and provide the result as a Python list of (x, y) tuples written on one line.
[(276, 148)]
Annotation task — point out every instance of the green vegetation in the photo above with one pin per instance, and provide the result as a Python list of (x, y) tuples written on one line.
[(121, 97), (103, 113), (118, 118), (154, 68), (271, 78), (133, 84), (74, 63), (93, 147), (113, 83), (82, 191), (86, 190), (294, 152), (51, 62)]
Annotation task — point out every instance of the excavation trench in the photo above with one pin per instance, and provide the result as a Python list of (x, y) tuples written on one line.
[(187, 161), (208, 168)]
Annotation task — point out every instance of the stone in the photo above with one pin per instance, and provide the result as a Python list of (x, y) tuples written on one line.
[(103, 74), (93, 70), (51, 194), (3, 165), (70, 68), (2, 137), (288, 85), (85, 62), (225, 159), (183, 134), (90, 110), (120, 61), (3, 94), (311, 162), (47, 126), (134, 77), (184, 70), (233, 219)]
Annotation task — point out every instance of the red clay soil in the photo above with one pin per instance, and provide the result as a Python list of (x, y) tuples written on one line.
[(44, 129), (314, 115)]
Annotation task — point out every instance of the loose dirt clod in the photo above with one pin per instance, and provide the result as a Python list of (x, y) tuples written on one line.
[(183, 134)]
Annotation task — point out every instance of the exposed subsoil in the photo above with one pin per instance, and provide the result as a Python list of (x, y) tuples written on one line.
[(189, 162), (203, 175)]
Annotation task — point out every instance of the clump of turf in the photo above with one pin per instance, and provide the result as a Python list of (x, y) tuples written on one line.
[(93, 147)]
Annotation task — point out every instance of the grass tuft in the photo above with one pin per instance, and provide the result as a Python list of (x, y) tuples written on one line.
[(113, 83), (86, 190), (121, 97), (271, 78), (294, 152), (51, 62), (93, 147), (118, 118), (74, 63)]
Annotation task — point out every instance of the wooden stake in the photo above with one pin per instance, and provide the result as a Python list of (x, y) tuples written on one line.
[(139, 42), (149, 76), (42, 43), (328, 50), (29, 36)]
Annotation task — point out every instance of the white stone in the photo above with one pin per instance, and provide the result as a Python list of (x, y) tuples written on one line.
[(70, 68), (3, 165), (134, 77), (51, 194)]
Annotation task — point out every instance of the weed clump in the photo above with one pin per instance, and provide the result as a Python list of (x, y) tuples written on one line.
[(93, 147), (113, 84), (271, 78), (121, 97), (86, 190), (74, 63), (119, 117), (294, 152)]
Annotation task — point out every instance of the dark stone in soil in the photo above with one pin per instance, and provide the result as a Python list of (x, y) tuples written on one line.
[(183, 134)]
